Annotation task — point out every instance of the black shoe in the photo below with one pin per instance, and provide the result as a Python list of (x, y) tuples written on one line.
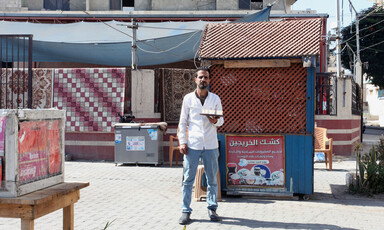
[(213, 215), (184, 219)]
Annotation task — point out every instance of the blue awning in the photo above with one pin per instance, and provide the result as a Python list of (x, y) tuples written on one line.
[(109, 43)]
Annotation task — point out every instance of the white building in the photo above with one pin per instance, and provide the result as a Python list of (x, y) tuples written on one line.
[(373, 105)]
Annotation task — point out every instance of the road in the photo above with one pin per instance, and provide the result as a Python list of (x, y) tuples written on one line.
[(371, 136)]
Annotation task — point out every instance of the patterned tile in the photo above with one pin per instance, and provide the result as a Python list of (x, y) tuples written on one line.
[(93, 98)]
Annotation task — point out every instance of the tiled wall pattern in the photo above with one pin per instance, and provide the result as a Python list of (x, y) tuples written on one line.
[(93, 98)]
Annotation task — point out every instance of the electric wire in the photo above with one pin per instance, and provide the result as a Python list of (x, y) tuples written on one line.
[(365, 28), (371, 46), (167, 28), (164, 51), (130, 35)]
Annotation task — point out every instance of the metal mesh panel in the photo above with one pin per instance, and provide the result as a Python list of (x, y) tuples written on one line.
[(261, 100), (15, 71)]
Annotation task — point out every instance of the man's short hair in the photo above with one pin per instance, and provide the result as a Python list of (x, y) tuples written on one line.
[(205, 68)]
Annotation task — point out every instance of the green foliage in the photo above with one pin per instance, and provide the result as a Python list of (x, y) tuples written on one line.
[(371, 31), (370, 166), (108, 224)]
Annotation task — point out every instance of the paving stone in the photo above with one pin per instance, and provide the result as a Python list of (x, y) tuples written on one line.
[(147, 197)]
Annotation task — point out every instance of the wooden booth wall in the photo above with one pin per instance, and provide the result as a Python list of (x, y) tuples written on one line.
[(270, 101), (262, 100)]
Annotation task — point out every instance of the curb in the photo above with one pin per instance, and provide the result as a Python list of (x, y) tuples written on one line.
[(375, 127)]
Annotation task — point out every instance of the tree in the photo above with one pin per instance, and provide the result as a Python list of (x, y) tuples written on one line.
[(371, 31)]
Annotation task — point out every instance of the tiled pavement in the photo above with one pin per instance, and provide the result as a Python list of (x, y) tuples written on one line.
[(148, 197)]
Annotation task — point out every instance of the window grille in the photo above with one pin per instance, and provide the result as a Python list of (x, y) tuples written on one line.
[(356, 98), (326, 94), (15, 71)]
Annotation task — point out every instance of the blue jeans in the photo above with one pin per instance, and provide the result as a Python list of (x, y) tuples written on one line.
[(211, 166)]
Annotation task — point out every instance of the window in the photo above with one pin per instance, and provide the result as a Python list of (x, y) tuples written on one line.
[(128, 3), (56, 4), (115, 4), (256, 4), (244, 4)]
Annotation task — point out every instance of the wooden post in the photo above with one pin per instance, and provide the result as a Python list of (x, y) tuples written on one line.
[(27, 224), (68, 217)]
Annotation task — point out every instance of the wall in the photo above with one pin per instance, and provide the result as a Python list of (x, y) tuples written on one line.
[(10, 4), (143, 5), (77, 5), (74, 5), (284, 6), (227, 4), (184, 5), (375, 111), (35, 4), (143, 85), (344, 128), (97, 5)]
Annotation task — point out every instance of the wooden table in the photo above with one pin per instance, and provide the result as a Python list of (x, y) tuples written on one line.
[(42, 202)]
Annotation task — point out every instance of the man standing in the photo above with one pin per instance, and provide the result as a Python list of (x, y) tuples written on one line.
[(201, 141)]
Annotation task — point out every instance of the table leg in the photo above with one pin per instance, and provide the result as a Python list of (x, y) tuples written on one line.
[(27, 224), (68, 217)]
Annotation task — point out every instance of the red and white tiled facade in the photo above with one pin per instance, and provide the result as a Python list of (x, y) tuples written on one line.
[(345, 133), (93, 98)]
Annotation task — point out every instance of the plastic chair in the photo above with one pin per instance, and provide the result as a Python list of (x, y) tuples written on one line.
[(173, 148), (200, 191), (321, 140)]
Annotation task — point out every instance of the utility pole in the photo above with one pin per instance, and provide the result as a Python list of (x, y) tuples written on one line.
[(359, 72), (134, 27), (359, 75), (338, 53)]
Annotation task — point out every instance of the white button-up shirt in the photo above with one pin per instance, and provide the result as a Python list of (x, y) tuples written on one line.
[(202, 134)]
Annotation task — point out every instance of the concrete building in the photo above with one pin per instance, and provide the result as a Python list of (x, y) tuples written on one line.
[(143, 5), (373, 105), (144, 81)]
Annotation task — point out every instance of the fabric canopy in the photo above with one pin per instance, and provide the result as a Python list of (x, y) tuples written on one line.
[(109, 43)]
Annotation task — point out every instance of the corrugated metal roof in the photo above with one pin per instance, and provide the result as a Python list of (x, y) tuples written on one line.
[(290, 38)]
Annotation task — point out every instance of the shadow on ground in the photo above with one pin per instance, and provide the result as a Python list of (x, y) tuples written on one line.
[(251, 223)]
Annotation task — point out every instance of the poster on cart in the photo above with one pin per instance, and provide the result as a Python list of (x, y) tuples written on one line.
[(255, 161), (39, 150)]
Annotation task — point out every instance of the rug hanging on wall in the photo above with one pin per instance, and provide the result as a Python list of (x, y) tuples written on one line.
[(14, 89), (176, 83)]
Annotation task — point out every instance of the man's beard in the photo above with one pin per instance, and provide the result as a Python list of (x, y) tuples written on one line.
[(202, 86)]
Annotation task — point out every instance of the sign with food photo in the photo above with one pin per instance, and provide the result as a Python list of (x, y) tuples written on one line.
[(255, 161)]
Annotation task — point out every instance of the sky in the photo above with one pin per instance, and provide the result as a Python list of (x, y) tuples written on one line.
[(329, 7)]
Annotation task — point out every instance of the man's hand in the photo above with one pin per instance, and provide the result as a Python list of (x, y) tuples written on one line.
[(184, 149), (213, 119)]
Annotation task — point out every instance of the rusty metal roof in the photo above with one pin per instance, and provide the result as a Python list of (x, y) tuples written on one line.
[(272, 39)]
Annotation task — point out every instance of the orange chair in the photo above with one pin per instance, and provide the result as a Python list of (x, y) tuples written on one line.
[(321, 140), (173, 148)]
